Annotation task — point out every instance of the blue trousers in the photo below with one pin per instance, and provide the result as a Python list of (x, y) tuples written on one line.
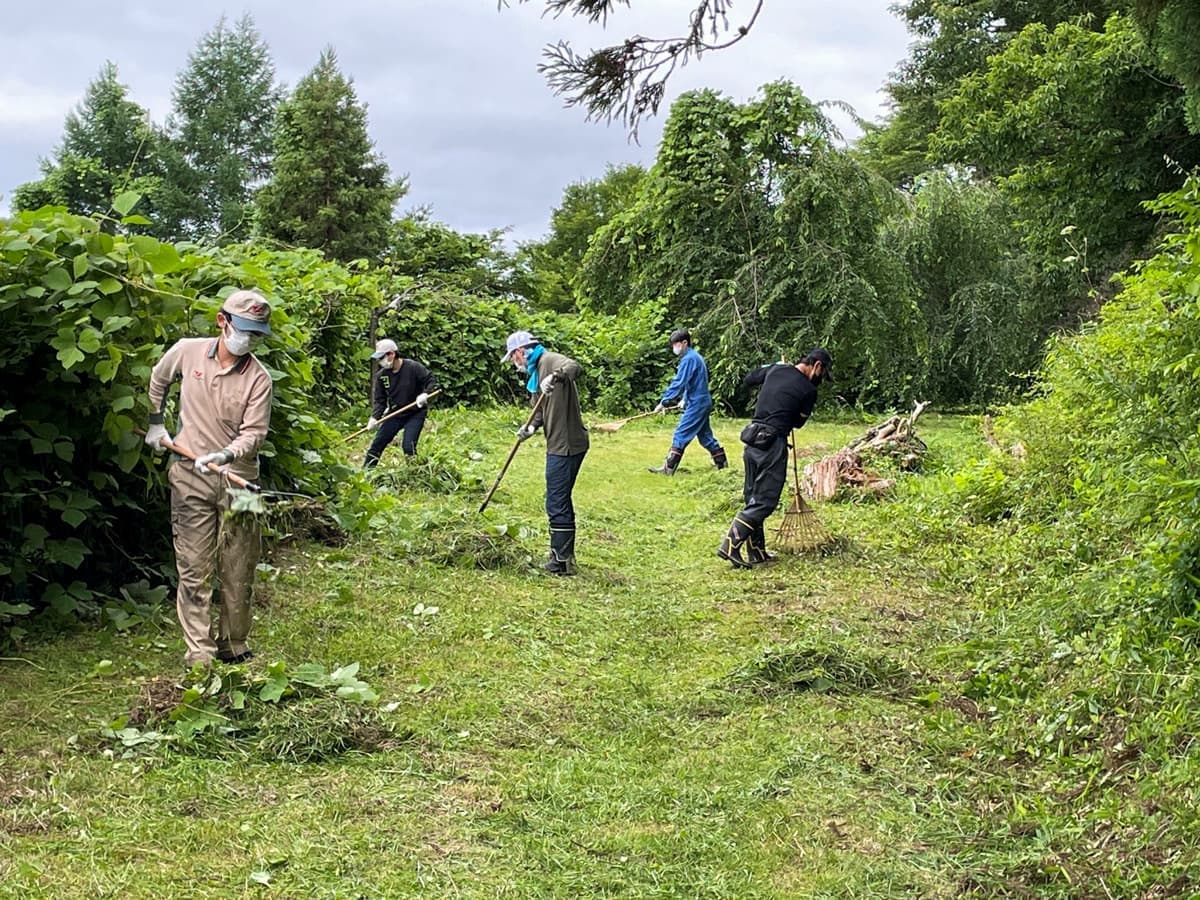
[(694, 424), (561, 472)]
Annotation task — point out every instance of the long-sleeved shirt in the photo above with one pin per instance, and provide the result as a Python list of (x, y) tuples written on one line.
[(397, 388), (690, 381), (220, 407), (786, 399), (559, 415)]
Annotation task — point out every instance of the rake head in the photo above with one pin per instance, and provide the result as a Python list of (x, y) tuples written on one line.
[(801, 531)]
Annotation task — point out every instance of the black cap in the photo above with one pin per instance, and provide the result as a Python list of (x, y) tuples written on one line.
[(820, 355), (680, 334)]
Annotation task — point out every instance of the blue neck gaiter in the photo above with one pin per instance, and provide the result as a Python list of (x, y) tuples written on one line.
[(531, 358)]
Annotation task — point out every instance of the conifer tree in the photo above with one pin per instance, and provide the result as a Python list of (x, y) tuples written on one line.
[(108, 146), (330, 190), (220, 132)]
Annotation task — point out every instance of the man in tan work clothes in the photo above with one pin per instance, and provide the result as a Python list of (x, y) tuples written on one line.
[(224, 413)]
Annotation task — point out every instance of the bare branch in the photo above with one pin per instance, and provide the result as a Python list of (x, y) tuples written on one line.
[(627, 81)]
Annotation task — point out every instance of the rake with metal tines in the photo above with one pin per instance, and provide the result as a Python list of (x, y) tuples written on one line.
[(801, 531)]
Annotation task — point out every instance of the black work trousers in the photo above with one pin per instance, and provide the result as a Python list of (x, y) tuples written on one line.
[(766, 474), (412, 423)]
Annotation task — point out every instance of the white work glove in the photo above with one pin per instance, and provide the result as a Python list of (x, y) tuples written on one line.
[(155, 435), (220, 457), (422, 399), (659, 408), (548, 383), (372, 422), (525, 432)]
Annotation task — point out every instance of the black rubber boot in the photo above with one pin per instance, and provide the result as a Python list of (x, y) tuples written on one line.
[(731, 548), (674, 455), (756, 549), (720, 460), (561, 560)]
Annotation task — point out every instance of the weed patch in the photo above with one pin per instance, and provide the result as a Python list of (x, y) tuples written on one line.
[(820, 669)]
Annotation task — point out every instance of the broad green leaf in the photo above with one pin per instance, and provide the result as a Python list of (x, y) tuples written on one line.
[(57, 279), (108, 286), (89, 340), (125, 202), (79, 265)]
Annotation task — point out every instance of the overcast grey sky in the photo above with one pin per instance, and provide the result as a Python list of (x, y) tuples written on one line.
[(453, 95)]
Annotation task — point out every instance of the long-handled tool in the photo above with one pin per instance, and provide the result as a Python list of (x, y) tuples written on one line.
[(801, 531), (511, 453), (394, 412), (212, 467), (234, 479), (615, 426)]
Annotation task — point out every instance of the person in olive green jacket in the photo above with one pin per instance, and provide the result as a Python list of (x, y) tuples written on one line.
[(553, 376)]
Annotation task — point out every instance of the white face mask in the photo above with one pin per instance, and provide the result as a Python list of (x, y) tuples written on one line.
[(677, 349), (520, 363), (237, 342)]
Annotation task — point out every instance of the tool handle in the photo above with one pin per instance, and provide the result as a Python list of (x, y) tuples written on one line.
[(394, 412), (511, 453), (212, 467)]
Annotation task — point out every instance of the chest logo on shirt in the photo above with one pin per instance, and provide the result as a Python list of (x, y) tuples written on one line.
[(197, 373)]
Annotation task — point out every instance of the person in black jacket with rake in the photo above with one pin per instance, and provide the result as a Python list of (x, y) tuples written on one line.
[(785, 401)]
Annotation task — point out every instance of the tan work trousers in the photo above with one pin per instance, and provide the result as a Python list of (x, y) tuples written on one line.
[(208, 541)]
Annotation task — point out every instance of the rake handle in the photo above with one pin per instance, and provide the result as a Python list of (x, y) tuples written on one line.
[(212, 467), (511, 453), (394, 412)]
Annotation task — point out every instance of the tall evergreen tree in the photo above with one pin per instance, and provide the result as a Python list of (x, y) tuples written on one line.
[(330, 189), (220, 131), (108, 146)]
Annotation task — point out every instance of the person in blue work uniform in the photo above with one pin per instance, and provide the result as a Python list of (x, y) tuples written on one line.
[(691, 384)]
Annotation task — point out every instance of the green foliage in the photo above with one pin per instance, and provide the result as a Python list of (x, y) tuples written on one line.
[(432, 255), (84, 315), (1170, 28), (330, 191), (753, 230), (978, 291), (108, 147), (219, 136), (1074, 129), (300, 714), (552, 265)]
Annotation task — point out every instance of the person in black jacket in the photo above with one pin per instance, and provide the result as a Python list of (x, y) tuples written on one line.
[(400, 382), (785, 402)]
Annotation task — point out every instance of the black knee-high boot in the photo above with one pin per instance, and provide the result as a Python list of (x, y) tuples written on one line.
[(674, 455), (562, 551), (731, 545), (720, 460)]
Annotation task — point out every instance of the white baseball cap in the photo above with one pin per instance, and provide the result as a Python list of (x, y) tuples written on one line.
[(515, 342), (387, 345)]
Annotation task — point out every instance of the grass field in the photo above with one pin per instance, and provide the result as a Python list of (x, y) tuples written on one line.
[(660, 725)]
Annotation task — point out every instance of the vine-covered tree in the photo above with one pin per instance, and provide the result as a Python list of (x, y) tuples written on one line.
[(220, 131), (330, 189), (1170, 28), (108, 146)]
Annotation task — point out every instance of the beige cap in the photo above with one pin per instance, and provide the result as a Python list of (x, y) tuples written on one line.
[(249, 311)]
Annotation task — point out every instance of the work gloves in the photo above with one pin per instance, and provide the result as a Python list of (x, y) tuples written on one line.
[(372, 422), (660, 408), (422, 400), (155, 435), (547, 383), (525, 432), (220, 457)]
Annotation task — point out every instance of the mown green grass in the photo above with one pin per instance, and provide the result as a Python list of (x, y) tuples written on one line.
[(595, 736)]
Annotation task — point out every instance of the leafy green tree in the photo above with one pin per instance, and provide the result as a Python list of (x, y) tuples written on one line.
[(954, 39), (1170, 28), (755, 231), (108, 147), (1074, 128), (330, 190), (432, 254), (220, 135), (984, 311), (550, 266)]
